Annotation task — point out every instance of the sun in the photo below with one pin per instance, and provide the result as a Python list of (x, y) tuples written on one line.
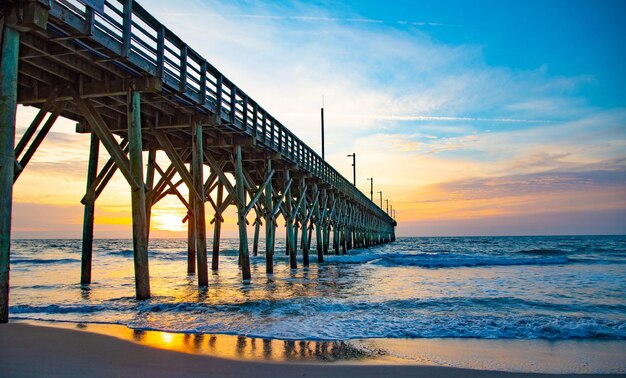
[(168, 221)]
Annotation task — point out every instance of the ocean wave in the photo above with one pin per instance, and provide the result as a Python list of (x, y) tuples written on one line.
[(543, 252), (57, 309), (307, 318), (44, 261), (449, 260), (362, 325), (452, 260), (122, 252)]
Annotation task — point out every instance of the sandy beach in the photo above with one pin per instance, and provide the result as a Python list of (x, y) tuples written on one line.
[(35, 350)]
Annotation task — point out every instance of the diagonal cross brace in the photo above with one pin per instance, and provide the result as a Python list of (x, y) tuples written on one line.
[(215, 167), (278, 204), (103, 177), (312, 209), (227, 201), (178, 163), (106, 137), (58, 109), (172, 187), (259, 192)]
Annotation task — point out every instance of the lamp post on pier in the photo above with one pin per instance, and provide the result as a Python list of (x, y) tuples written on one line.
[(353, 155), (387, 203), (371, 188), (322, 116), (381, 199)]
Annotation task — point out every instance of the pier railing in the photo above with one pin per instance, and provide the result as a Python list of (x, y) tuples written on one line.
[(147, 47)]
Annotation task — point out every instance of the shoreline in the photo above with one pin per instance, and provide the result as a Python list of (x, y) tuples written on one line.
[(79, 348)]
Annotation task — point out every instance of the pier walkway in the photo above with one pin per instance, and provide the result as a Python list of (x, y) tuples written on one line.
[(134, 86)]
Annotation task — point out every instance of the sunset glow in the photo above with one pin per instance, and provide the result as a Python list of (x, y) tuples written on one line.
[(460, 140)]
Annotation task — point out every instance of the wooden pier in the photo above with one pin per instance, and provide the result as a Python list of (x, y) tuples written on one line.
[(134, 86)]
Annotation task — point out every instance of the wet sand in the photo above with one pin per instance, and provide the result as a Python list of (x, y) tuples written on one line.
[(105, 350)]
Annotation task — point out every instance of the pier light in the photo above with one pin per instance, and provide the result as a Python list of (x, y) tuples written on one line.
[(353, 155)]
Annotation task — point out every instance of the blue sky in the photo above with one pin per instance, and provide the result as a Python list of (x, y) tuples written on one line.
[(490, 117), (571, 37)]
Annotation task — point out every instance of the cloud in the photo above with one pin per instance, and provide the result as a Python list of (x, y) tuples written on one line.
[(558, 223), (586, 189), (445, 135), (371, 75)]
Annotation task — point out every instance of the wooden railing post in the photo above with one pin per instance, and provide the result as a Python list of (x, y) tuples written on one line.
[(126, 27)]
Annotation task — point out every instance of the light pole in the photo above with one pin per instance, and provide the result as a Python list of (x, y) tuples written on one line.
[(371, 189), (391, 210), (381, 199), (387, 203), (322, 114), (353, 155)]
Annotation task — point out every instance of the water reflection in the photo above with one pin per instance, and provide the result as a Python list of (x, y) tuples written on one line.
[(236, 347)]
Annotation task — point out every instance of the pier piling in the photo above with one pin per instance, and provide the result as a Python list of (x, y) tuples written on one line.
[(138, 198), (270, 228), (217, 228), (241, 214), (10, 39), (88, 216), (198, 208)]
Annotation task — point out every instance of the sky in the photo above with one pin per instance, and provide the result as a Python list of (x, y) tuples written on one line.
[(473, 117)]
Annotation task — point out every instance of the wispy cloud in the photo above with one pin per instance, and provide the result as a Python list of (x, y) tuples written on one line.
[(312, 18)]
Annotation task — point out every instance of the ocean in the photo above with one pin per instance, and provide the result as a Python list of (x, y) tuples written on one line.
[(550, 288)]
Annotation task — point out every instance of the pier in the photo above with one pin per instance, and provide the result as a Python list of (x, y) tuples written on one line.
[(135, 87)]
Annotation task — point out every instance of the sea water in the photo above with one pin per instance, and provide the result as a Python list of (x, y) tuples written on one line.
[(554, 288)]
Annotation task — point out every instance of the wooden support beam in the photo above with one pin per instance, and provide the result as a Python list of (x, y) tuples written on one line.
[(95, 89), (306, 228), (34, 125), (178, 163), (305, 218), (259, 192), (30, 152), (255, 244), (88, 216), (191, 237), (243, 237), (319, 225), (172, 188), (215, 167), (270, 228), (159, 187), (10, 39), (138, 198), (150, 169), (217, 227), (279, 204), (289, 218), (103, 176), (108, 141), (200, 223)]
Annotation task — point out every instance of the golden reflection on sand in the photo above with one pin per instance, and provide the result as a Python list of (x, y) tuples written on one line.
[(233, 347)]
